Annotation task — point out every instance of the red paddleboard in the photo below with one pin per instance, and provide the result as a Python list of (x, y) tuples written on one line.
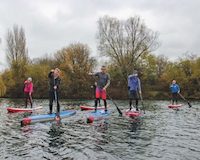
[(132, 113), (30, 110), (92, 108), (174, 106)]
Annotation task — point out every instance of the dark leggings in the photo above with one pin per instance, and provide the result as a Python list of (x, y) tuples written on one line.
[(174, 98), (51, 99), (97, 100), (28, 98)]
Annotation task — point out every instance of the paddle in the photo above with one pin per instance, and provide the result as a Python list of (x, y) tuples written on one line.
[(120, 112), (185, 100), (142, 102)]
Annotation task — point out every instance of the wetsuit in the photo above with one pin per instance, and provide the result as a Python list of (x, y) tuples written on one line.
[(53, 93)]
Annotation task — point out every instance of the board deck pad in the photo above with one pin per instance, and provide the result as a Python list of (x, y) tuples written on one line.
[(133, 113), (174, 106), (98, 115), (92, 107), (46, 117)]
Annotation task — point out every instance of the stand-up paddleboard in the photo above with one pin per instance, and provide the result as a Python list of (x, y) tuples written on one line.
[(98, 115), (133, 113), (30, 110), (174, 106), (46, 117), (92, 107)]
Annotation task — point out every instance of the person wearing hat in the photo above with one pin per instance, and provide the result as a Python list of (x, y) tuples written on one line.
[(175, 90), (134, 87), (28, 90), (54, 83)]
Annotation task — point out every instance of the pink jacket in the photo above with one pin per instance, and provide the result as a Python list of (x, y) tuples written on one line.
[(28, 87)]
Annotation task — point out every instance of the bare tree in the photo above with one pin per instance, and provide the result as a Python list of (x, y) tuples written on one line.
[(16, 50), (17, 58), (125, 41)]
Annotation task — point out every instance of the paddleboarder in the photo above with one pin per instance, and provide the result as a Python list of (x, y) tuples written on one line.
[(28, 90), (175, 90), (134, 87), (54, 83), (103, 81)]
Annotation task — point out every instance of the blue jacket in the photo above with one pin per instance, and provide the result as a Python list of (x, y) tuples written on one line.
[(174, 88), (134, 83)]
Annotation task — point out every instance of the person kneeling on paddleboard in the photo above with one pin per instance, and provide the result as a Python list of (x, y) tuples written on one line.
[(28, 90), (54, 83), (134, 86), (175, 90), (103, 81)]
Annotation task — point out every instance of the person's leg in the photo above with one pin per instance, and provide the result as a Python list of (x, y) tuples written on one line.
[(30, 100), (51, 98), (130, 103), (58, 104), (130, 99), (103, 96), (176, 98), (173, 98), (136, 100), (97, 98), (26, 99)]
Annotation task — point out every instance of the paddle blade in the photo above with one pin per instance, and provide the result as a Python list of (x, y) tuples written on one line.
[(189, 104), (120, 112)]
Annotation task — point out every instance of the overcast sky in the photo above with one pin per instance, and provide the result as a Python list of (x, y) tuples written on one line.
[(52, 24)]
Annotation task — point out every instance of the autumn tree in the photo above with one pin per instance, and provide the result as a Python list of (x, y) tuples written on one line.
[(75, 61)]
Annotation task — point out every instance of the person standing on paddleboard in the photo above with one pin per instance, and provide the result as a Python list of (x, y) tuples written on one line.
[(175, 90), (103, 81), (28, 90), (54, 83), (134, 87)]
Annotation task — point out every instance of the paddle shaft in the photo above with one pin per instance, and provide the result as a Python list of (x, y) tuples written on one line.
[(120, 112), (142, 102), (185, 100)]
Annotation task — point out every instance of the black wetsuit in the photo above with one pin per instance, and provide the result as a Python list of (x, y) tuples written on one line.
[(53, 94)]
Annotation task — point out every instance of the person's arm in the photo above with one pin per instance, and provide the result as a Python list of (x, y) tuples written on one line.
[(139, 86), (108, 83), (50, 75), (129, 81), (178, 88)]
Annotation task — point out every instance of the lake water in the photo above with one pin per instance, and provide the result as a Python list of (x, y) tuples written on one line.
[(161, 133)]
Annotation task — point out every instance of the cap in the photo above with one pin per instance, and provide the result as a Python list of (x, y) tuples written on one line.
[(135, 73), (29, 79)]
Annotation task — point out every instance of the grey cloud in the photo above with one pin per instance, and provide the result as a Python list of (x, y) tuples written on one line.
[(76, 21)]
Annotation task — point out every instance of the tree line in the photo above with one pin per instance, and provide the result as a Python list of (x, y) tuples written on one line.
[(129, 45)]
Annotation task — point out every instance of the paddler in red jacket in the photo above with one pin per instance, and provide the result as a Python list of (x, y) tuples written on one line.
[(28, 90)]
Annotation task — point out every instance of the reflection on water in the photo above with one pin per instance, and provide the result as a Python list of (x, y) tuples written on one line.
[(161, 133)]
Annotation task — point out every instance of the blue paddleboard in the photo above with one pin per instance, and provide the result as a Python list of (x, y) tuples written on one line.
[(46, 117), (98, 115)]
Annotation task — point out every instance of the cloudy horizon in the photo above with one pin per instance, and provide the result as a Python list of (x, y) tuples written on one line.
[(51, 25)]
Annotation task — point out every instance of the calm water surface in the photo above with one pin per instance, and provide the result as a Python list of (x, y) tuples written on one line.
[(161, 133)]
